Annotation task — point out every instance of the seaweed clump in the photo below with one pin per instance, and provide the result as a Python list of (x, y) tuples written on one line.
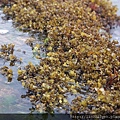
[(79, 54), (6, 53)]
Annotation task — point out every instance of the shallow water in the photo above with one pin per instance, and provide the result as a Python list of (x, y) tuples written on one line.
[(116, 32), (116, 2), (10, 93)]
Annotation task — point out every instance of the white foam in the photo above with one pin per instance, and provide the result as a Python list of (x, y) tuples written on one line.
[(3, 31)]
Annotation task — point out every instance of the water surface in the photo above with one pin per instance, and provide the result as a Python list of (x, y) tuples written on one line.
[(10, 93)]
